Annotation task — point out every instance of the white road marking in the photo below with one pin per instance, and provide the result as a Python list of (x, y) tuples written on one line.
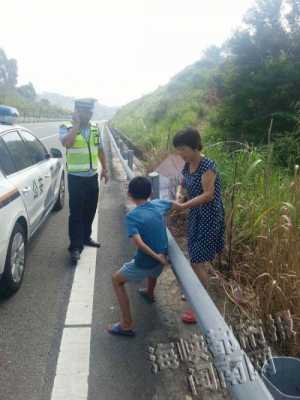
[(72, 370), (73, 364)]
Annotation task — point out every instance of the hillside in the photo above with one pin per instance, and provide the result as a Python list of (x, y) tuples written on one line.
[(101, 111), (185, 100), (238, 91)]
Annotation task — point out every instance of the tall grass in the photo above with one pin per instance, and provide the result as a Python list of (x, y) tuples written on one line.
[(263, 232)]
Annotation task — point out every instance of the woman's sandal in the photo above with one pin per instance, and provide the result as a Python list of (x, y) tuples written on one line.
[(116, 329), (188, 317)]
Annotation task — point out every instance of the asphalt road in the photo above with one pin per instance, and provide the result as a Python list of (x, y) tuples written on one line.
[(33, 321)]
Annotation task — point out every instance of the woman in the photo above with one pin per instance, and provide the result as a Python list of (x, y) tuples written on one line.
[(206, 225)]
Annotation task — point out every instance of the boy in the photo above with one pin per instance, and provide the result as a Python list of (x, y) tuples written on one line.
[(146, 227)]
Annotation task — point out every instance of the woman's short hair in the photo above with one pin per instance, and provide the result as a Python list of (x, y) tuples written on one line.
[(189, 137)]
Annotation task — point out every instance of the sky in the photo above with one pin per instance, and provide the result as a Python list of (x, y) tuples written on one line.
[(113, 50)]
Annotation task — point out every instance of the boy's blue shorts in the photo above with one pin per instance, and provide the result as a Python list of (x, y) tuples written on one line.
[(132, 273)]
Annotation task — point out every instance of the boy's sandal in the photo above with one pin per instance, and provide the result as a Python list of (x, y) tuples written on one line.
[(188, 317), (116, 329), (144, 293), (183, 298)]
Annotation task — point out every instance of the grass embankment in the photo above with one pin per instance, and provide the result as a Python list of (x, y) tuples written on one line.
[(262, 204)]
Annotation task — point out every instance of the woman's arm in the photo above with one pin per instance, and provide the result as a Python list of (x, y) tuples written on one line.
[(180, 195), (142, 246), (208, 184)]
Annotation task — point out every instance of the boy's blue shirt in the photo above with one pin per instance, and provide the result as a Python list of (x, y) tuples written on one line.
[(147, 220)]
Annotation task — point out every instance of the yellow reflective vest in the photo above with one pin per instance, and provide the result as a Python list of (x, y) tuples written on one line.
[(83, 155)]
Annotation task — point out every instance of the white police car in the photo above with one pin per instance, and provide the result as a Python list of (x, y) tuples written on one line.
[(31, 185)]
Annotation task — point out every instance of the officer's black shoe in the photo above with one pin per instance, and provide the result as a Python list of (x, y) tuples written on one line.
[(75, 256), (92, 243)]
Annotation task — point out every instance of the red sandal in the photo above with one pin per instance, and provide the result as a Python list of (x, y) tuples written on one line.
[(188, 317)]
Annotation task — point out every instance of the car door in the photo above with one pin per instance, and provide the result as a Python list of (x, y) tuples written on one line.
[(41, 159), (26, 177), (9, 207)]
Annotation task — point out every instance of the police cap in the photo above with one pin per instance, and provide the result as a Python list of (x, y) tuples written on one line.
[(87, 104)]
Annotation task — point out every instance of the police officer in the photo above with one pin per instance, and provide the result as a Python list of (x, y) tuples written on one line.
[(83, 149)]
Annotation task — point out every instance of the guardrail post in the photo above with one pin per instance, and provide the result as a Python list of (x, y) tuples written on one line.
[(122, 147), (130, 158), (154, 178)]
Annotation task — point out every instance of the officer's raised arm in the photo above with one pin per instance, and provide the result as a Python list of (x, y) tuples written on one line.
[(68, 134)]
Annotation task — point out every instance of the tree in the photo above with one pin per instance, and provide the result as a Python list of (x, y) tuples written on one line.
[(27, 91), (212, 57), (260, 79), (8, 71)]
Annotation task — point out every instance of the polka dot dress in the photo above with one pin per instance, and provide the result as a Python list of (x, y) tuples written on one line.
[(206, 225)]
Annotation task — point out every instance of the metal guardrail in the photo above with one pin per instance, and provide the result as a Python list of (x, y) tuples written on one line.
[(137, 151), (29, 120), (242, 380)]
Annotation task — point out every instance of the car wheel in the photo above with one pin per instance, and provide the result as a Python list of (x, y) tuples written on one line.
[(15, 262), (60, 202)]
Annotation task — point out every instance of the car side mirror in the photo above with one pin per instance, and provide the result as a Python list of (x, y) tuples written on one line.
[(55, 153)]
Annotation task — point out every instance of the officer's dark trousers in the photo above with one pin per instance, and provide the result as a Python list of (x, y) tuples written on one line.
[(83, 199)]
